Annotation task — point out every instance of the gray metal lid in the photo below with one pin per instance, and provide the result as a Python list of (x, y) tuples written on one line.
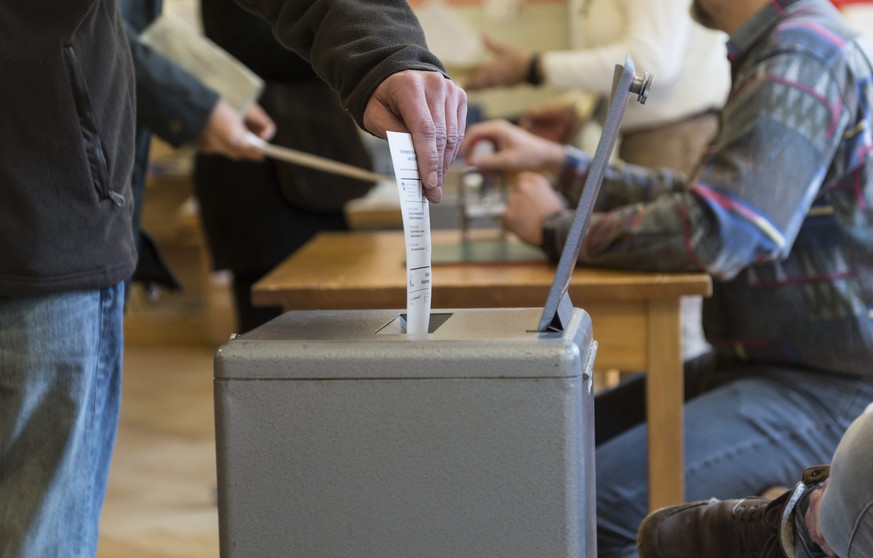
[(361, 344)]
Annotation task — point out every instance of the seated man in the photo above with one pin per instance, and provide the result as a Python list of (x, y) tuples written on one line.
[(820, 517), (779, 213)]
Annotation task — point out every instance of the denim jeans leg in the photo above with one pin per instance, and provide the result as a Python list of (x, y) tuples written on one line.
[(759, 430), (60, 386)]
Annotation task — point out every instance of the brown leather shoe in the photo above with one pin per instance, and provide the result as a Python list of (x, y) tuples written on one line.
[(747, 528)]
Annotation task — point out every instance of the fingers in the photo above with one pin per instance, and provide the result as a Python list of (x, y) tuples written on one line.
[(508, 66), (432, 109), (529, 203), (225, 134), (259, 123), (504, 136), (517, 149), (494, 47), (493, 131)]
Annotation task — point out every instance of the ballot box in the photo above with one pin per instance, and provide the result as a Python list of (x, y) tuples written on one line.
[(338, 435)]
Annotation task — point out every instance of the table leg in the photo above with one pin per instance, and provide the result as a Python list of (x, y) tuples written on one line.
[(664, 403)]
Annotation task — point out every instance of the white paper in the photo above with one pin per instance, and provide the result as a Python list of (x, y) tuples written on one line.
[(415, 210)]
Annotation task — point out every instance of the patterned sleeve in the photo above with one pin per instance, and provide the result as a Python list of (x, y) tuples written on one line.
[(746, 202)]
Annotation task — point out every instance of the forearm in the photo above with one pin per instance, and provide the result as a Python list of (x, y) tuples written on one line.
[(170, 102), (655, 37), (623, 183), (352, 45), (653, 237), (745, 205)]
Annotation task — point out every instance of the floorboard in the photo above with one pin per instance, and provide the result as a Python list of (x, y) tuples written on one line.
[(160, 502)]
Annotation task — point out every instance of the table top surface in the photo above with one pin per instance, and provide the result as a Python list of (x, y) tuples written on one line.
[(337, 270)]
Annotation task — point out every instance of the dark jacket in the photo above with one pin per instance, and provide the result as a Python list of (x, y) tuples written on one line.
[(352, 45), (170, 103), (250, 229), (67, 122), (66, 147)]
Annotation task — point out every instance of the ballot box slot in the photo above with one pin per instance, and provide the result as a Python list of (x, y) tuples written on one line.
[(398, 324)]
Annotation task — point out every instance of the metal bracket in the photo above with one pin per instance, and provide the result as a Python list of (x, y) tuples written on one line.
[(641, 87)]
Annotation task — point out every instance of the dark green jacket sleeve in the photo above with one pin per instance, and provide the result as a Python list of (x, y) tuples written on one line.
[(169, 101), (352, 44)]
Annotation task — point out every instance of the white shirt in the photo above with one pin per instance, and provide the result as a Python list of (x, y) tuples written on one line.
[(689, 62)]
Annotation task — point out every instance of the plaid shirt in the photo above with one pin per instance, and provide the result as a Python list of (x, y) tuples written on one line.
[(780, 208)]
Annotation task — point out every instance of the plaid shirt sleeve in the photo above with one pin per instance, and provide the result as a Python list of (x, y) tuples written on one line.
[(745, 203)]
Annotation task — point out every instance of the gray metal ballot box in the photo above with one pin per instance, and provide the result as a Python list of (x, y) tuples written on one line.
[(339, 435)]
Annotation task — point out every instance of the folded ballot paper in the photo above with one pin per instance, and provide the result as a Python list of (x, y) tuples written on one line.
[(177, 40)]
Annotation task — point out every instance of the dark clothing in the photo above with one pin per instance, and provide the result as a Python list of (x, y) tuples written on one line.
[(66, 147), (249, 39), (344, 40), (254, 213), (250, 227), (67, 111), (171, 103), (66, 155)]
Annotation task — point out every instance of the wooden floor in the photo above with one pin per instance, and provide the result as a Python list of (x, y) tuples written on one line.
[(160, 501)]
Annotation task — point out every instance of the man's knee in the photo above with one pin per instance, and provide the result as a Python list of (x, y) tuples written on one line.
[(847, 505)]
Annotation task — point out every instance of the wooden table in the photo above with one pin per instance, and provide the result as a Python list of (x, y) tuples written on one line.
[(635, 315)]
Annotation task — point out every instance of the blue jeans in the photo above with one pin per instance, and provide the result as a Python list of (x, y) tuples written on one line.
[(747, 427), (60, 385)]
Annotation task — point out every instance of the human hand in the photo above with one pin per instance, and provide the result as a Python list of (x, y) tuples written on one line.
[(508, 65), (812, 522), (530, 202), (430, 107), (555, 120), (258, 122), (225, 132), (515, 149)]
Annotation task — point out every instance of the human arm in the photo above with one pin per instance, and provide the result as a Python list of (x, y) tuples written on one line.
[(532, 202), (514, 149), (654, 34), (181, 110), (508, 65), (561, 118), (533, 198), (748, 200), (169, 101), (225, 131), (373, 54)]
